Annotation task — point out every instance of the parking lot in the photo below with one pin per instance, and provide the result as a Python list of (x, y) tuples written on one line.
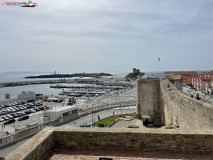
[(15, 116)]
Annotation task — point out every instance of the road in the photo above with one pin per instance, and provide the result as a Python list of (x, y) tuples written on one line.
[(102, 114), (7, 150)]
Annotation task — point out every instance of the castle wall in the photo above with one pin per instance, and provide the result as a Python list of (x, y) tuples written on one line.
[(176, 108), (183, 111), (148, 99)]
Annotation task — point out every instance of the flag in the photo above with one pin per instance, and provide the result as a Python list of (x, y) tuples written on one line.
[(158, 59)]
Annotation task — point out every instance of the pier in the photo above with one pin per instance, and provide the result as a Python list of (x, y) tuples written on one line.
[(22, 83), (90, 87)]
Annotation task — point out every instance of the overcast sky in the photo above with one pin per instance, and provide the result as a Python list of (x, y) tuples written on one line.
[(107, 35)]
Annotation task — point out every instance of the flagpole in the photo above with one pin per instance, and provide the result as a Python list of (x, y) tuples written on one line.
[(158, 67)]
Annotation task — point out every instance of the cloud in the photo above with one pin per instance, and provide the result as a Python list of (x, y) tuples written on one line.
[(96, 35)]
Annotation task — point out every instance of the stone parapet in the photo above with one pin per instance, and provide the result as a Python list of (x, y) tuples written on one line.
[(148, 140)]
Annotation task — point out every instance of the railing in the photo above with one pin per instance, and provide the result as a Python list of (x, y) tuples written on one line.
[(26, 132)]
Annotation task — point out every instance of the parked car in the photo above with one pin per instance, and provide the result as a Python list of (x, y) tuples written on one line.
[(9, 116), (37, 109), (38, 104), (31, 100), (15, 115), (49, 107), (45, 107), (9, 121), (21, 108), (29, 111), (7, 105), (5, 118), (41, 108), (32, 110), (21, 114), (23, 118)]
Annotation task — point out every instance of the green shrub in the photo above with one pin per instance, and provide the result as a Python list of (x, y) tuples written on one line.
[(133, 126)]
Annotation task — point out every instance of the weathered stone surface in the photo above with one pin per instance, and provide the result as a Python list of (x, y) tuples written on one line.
[(161, 100), (35, 148), (148, 99), (125, 139), (113, 139)]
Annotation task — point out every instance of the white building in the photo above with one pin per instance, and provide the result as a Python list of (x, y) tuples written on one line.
[(64, 113), (27, 95)]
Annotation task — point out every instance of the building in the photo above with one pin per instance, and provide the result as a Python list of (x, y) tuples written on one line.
[(64, 113), (27, 95), (136, 71), (202, 81), (181, 72)]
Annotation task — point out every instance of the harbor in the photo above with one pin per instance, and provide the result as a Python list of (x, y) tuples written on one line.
[(81, 87)]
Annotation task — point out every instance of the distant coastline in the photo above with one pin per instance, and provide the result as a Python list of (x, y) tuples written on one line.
[(95, 75)]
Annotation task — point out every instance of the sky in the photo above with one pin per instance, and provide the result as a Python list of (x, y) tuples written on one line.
[(107, 35)]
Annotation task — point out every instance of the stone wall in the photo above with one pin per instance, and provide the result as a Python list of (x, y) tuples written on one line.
[(36, 148), (148, 99), (133, 139), (151, 140), (182, 111), (175, 108), (22, 134), (178, 83)]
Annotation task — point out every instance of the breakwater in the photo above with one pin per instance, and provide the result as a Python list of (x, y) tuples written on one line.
[(22, 83)]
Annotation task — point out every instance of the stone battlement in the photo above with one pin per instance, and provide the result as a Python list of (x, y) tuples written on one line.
[(147, 140)]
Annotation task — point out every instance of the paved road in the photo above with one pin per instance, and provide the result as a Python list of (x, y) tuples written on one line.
[(7, 150), (102, 114)]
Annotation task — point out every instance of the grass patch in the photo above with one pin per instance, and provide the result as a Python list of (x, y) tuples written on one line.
[(107, 121)]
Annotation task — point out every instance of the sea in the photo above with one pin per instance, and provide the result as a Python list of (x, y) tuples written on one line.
[(38, 89)]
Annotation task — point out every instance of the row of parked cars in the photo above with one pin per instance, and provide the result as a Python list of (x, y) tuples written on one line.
[(11, 111), (19, 119), (5, 109), (10, 118)]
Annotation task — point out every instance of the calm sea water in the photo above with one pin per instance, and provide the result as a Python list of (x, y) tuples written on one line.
[(41, 88)]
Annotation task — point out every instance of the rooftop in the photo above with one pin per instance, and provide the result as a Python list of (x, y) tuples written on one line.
[(62, 109)]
